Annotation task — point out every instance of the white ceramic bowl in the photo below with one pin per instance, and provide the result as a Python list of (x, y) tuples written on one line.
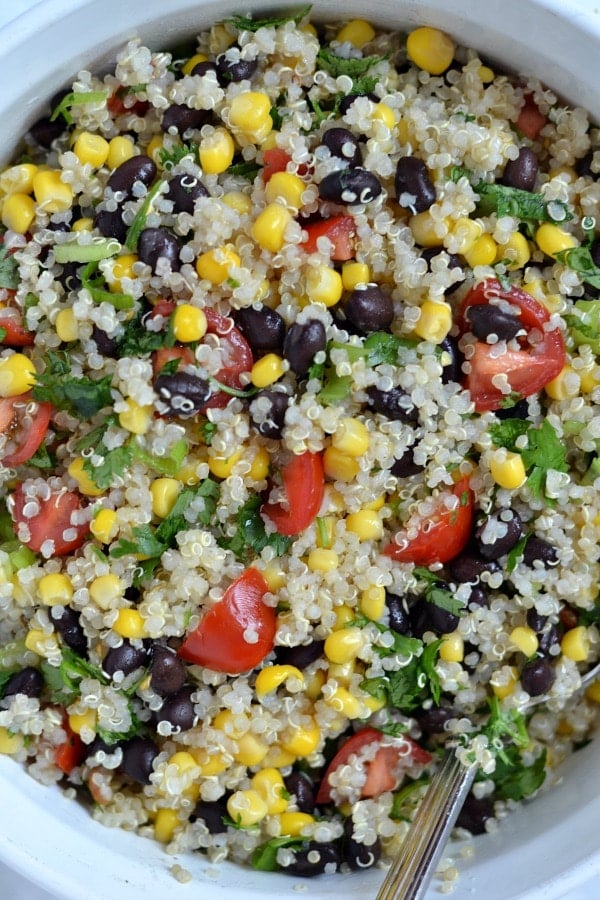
[(548, 847)]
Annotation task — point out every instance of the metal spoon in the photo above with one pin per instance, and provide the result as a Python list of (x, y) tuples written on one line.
[(409, 875)]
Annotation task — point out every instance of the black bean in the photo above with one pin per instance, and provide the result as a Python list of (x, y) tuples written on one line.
[(486, 319), (138, 758), (370, 308), (159, 243), (507, 521), (28, 681), (433, 720), (178, 709), (539, 550), (394, 404), (430, 253), (167, 670), (548, 639), (183, 393), (537, 676), (521, 172), (469, 567), (520, 410), (263, 328), (478, 596), (399, 617), (212, 813), (300, 785), (137, 168), (203, 68), (475, 813), (270, 424), (414, 188), (69, 627), (105, 345), (595, 252), (183, 191), (451, 360), (231, 67), (405, 466), (70, 276), (583, 166), (110, 223), (181, 118), (343, 144), (350, 186), (349, 99), (426, 616), (126, 659), (536, 621), (97, 746), (300, 656), (356, 854), (302, 343), (321, 856), (44, 132)]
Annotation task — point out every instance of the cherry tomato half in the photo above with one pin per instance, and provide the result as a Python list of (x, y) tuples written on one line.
[(340, 230), (529, 369), (236, 356), (24, 421), (304, 486), (53, 521), (531, 120), (13, 332), (71, 752), (219, 641), (441, 537), (384, 771)]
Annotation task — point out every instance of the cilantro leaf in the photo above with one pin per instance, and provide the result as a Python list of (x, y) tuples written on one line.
[(251, 537), (509, 201), (170, 158), (63, 681), (247, 23), (590, 616), (264, 858), (114, 462), (382, 347), (81, 397), (9, 270), (505, 724), (437, 593), (207, 430), (581, 261), (407, 688), (138, 341), (247, 170), (504, 433), (515, 781), (545, 451), (338, 65), (516, 553)]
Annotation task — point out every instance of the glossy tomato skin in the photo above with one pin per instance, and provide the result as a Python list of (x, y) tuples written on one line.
[(218, 641), (51, 522), (340, 230), (27, 422), (442, 537), (15, 334), (236, 355), (529, 369), (382, 769), (304, 486)]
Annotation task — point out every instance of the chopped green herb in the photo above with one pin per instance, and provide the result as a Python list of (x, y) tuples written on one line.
[(324, 539), (100, 248), (81, 397), (335, 388), (590, 616), (394, 729), (91, 282), (509, 201), (63, 681), (580, 260), (544, 451), (407, 799), (170, 158), (515, 781), (76, 99), (505, 433), (516, 553), (208, 430), (407, 688), (139, 220), (264, 858), (138, 341), (42, 458), (503, 725), (338, 65), (247, 23), (247, 170), (9, 269), (436, 593), (251, 537)]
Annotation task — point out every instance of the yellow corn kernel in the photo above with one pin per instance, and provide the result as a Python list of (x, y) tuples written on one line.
[(238, 201), (430, 49), (593, 692), (486, 74), (66, 325), (215, 265), (120, 149), (210, 764), (104, 525), (17, 375), (155, 145), (18, 178), (516, 251), (435, 321), (165, 823), (351, 437), (425, 230), (41, 643), (452, 648), (55, 589), (385, 114), (358, 32), (575, 644), (344, 645), (340, 466), (216, 152), (130, 624), (466, 231), (222, 466), (295, 823), (268, 229), (366, 524), (91, 148), (304, 740), (183, 760), (51, 194), (191, 63), (79, 722), (267, 370), (250, 750), (136, 419), (507, 469), (260, 466), (324, 285), (164, 494), (524, 639), (18, 212), (249, 116), (343, 615), (83, 224), (189, 323), (482, 252), (246, 808), (566, 384), (268, 782), (322, 559), (589, 381), (504, 682), (272, 677), (122, 268), (314, 685), (274, 576), (372, 602), (286, 188), (10, 743), (552, 240), (346, 703), (105, 590), (355, 273), (85, 484)]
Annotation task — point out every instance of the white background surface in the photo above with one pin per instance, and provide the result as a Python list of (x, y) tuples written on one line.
[(12, 886)]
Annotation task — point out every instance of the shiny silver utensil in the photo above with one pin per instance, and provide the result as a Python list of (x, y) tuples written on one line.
[(409, 875)]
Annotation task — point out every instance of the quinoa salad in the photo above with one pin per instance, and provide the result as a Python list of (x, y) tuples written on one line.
[(299, 404)]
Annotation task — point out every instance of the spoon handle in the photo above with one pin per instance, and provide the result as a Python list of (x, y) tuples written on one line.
[(410, 873)]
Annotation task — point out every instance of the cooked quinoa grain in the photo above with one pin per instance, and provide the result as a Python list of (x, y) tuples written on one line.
[(299, 405)]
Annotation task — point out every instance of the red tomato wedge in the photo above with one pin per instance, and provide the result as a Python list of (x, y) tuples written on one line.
[(72, 752), (304, 486), (442, 536), (24, 421), (341, 231), (165, 355), (528, 370), (11, 322), (235, 353), (384, 771), (274, 160), (52, 521), (531, 120), (219, 641)]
